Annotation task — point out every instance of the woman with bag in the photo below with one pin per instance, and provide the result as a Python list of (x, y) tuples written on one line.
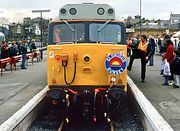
[(170, 56)]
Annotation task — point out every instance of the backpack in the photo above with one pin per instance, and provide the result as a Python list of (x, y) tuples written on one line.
[(175, 66)]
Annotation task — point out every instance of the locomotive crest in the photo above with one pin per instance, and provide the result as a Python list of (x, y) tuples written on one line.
[(115, 63)]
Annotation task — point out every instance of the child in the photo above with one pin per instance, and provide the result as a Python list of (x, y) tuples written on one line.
[(162, 63), (166, 72), (165, 69)]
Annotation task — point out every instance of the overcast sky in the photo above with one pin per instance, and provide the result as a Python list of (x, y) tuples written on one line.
[(16, 10)]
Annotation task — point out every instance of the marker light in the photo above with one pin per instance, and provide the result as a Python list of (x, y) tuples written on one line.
[(63, 11), (110, 11), (100, 11), (57, 58), (72, 11)]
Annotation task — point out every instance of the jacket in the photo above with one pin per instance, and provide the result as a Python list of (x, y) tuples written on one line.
[(148, 53), (175, 67), (170, 54), (23, 49)]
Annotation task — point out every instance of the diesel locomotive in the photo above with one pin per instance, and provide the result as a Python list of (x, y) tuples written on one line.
[(86, 57)]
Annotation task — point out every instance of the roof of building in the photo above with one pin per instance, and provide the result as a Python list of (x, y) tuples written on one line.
[(174, 16)]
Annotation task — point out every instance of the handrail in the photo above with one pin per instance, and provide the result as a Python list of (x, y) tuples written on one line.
[(12, 61), (5, 60)]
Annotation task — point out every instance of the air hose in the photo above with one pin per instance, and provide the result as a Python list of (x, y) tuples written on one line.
[(68, 83)]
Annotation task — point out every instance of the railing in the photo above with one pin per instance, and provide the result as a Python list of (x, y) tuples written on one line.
[(15, 59), (4, 62)]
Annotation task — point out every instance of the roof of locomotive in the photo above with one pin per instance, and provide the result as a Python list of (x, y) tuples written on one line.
[(85, 20), (87, 11)]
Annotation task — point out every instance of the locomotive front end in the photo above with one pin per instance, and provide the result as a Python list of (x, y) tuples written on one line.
[(86, 60), (87, 65)]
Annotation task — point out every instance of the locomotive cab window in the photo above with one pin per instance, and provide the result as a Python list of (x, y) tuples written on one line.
[(105, 33), (68, 33), (87, 32)]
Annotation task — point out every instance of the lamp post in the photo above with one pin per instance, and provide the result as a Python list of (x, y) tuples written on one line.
[(41, 11), (140, 24)]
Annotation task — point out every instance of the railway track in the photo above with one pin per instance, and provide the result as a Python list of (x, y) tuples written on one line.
[(66, 127), (53, 120), (145, 115)]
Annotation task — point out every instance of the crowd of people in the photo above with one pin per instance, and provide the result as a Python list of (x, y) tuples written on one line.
[(139, 47), (144, 48), (14, 48)]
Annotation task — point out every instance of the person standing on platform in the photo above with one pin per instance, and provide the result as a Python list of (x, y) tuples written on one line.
[(13, 50), (143, 52), (129, 42), (170, 56), (153, 45), (32, 46), (166, 72), (176, 68), (159, 43), (4, 50), (0, 50), (23, 52)]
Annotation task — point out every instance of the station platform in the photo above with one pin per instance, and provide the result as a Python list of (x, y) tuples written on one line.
[(165, 99), (18, 87)]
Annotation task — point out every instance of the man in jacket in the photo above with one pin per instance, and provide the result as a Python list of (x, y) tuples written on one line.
[(23, 52), (32, 46), (153, 45), (143, 52)]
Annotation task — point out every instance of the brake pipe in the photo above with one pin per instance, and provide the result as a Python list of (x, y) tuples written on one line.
[(94, 106), (70, 90), (67, 105), (107, 104), (100, 89)]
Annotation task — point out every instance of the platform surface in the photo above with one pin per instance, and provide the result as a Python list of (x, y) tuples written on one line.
[(165, 99)]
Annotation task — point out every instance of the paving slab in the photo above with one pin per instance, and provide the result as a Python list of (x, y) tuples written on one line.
[(18, 87), (165, 99)]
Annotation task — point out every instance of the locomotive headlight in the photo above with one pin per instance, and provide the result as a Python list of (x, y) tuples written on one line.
[(110, 11), (87, 59), (100, 11), (63, 11), (72, 11)]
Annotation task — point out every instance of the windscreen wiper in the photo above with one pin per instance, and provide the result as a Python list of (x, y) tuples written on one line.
[(104, 25), (68, 25)]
